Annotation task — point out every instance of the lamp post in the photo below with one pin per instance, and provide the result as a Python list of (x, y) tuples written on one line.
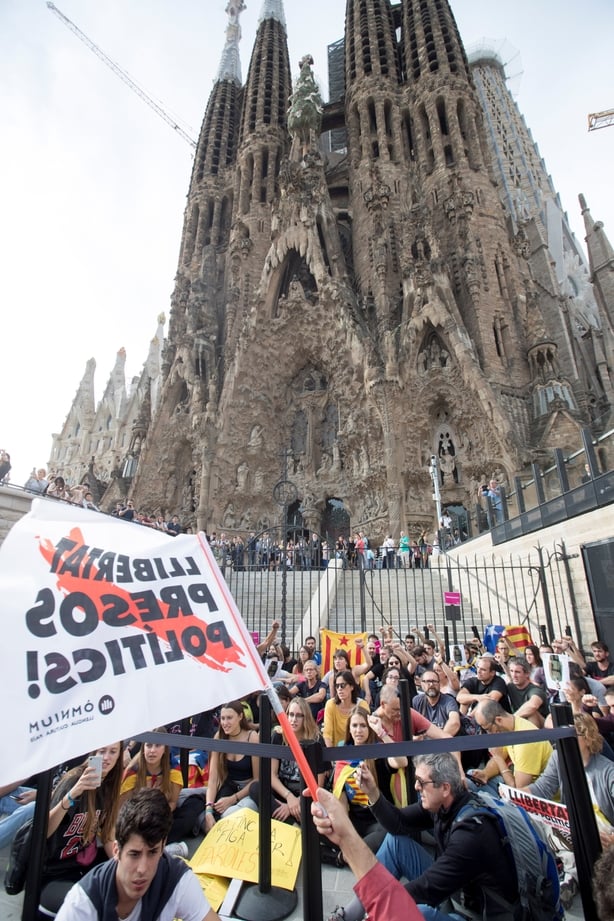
[(284, 493), (434, 472)]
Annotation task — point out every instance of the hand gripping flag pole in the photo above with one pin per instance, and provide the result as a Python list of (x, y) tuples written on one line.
[(293, 742)]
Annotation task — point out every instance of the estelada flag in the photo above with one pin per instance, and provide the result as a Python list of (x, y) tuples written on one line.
[(330, 642), (109, 629), (518, 635)]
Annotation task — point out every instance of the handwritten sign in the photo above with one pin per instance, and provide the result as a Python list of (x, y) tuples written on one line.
[(214, 887), (231, 850)]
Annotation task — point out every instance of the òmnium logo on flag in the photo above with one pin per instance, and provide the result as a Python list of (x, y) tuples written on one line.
[(110, 629)]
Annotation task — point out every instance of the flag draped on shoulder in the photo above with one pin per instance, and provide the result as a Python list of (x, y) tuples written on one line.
[(331, 641), (110, 629)]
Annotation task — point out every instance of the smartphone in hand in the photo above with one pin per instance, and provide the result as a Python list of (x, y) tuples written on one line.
[(95, 761)]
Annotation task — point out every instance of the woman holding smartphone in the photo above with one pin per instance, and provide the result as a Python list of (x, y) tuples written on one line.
[(81, 826)]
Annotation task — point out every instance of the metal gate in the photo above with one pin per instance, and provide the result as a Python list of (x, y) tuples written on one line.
[(306, 592)]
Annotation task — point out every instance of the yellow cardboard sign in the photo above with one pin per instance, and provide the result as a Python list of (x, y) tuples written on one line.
[(231, 849), (214, 887)]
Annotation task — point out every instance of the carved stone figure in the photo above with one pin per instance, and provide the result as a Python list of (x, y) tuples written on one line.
[(242, 472)]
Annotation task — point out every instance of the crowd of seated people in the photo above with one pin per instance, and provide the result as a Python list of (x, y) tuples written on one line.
[(497, 693)]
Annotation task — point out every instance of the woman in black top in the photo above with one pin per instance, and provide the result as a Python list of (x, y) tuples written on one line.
[(81, 825)]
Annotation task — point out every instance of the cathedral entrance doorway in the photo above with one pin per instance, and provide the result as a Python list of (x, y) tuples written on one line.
[(295, 520), (335, 521)]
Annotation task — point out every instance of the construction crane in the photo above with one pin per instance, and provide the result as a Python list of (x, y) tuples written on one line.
[(122, 75), (601, 119)]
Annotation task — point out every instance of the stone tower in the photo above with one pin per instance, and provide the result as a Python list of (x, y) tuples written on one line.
[(340, 318), (542, 230)]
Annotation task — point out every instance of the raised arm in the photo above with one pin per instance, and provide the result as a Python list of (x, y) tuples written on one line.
[(419, 634), (453, 679), (270, 638), (440, 643), (381, 895), (363, 668)]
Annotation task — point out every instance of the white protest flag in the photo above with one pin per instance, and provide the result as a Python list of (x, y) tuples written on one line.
[(109, 629)]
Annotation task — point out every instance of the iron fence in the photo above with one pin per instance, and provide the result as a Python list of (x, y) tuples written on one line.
[(538, 593)]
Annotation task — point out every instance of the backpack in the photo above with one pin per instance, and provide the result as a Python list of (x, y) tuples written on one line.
[(19, 856), (538, 879)]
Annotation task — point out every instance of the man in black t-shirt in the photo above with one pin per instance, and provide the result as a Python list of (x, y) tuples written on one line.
[(601, 669), (526, 699), (484, 685)]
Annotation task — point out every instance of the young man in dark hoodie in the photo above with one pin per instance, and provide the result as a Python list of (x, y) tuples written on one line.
[(142, 881)]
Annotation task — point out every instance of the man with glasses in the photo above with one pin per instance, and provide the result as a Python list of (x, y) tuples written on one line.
[(440, 709), (516, 765), (470, 855)]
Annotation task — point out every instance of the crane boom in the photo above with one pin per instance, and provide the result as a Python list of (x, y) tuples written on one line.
[(127, 79), (600, 119)]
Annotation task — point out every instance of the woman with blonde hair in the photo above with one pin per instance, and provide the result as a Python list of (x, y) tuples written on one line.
[(286, 783), (313, 689), (600, 777), (230, 776)]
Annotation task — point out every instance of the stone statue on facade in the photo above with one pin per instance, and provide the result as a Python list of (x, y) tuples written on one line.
[(305, 112)]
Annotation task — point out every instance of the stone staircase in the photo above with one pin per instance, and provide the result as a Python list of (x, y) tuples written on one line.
[(335, 599)]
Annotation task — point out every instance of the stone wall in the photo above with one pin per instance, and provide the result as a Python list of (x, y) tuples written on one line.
[(14, 504), (585, 529)]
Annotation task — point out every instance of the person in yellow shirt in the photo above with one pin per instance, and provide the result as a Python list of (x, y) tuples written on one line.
[(518, 765)]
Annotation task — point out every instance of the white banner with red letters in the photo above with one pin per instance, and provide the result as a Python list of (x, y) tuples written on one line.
[(109, 629)]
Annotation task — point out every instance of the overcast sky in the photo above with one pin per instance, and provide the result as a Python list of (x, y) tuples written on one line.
[(93, 183)]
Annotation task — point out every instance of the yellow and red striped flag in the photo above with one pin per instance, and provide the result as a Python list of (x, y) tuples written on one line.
[(330, 641), (519, 636)]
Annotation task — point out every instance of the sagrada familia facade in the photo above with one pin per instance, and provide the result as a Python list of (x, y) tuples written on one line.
[(363, 284)]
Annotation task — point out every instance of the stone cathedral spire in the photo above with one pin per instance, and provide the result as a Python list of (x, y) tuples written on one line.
[(273, 9), (264, 141), (360, 310), (431, 43), (601, 262), (230, 65), (208, 210)]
